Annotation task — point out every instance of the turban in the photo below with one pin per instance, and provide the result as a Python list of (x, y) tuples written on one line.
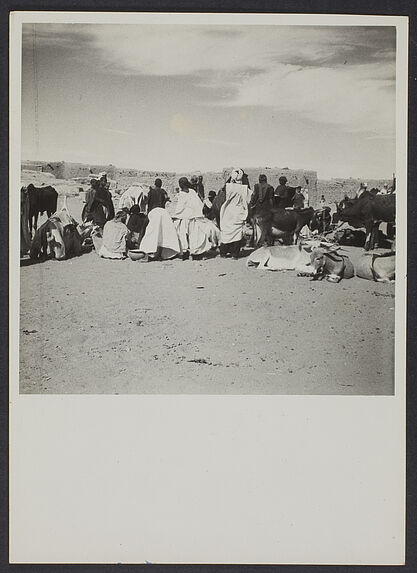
[(236, 175)]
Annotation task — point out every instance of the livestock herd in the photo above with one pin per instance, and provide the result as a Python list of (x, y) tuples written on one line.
[(268, 224)]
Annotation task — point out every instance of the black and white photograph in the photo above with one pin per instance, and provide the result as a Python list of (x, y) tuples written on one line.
[(208, 209), (207, 299)]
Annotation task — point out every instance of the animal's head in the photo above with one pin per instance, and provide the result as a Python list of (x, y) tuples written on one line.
[(349, 209), (317, 261), (318, 258)]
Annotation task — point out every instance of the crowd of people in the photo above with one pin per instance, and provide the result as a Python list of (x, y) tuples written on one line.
[(197, 223), (190, 231)]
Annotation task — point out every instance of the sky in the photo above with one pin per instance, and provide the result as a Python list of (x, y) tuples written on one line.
[(201, 97)]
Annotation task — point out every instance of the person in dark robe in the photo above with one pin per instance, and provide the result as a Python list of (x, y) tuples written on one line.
[(99, 205), (157, 197), (263, 193), (284, 194), (298, 198), (208, 211), (200, 187), (136, 225), (193, 182)]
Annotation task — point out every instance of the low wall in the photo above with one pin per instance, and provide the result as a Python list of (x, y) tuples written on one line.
[(334, 190)]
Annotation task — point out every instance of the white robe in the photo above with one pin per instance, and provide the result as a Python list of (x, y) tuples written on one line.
[(114, 240), (160, 233), (190, 224), (234, 212)]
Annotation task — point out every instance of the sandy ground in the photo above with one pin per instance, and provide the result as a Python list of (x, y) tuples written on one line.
[(90, 325)]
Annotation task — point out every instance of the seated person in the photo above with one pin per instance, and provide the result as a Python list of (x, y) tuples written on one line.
[(160, 240), (136, 224), (114, 237)]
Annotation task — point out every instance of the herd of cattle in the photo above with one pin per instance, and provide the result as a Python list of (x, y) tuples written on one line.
[(267, 223)]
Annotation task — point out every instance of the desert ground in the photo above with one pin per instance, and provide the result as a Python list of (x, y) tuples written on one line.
[(95, 326)]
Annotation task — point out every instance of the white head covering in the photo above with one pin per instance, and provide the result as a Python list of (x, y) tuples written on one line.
[(236, 175)]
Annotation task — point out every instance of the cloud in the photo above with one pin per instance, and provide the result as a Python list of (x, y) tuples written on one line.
[(184, 50), (169, 50), (357, 98), (339, 76)]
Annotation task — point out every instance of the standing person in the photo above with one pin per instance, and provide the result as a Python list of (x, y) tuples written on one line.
[(208, 206), (200, 187), (193, 182), (384, 190), (103, 194), (263, 193), (233, 215), (103, 184), (99, 205), (306, 197), (298, 198), (362, 191), (189, 222), (322, 202), (283, 193), (157, 197)]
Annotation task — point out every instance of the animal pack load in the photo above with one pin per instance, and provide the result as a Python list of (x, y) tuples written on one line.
[(379, 267), (58, 237), (329, 264), (280, 258)]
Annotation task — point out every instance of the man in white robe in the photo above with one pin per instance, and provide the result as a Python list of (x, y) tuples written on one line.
[(192, 229), (233, 215)]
